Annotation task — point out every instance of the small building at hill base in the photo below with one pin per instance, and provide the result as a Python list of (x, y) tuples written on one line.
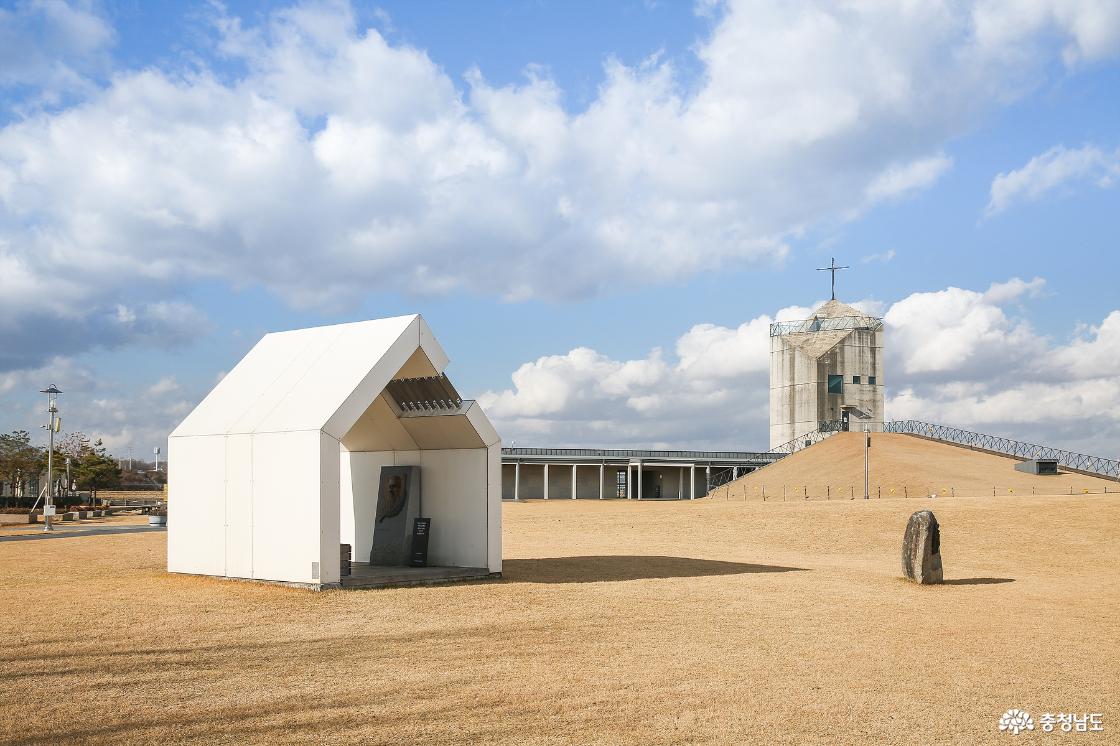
[(281, 464), (826, 372)]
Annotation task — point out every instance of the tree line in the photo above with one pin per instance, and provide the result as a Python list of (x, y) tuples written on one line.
[(23, 467)]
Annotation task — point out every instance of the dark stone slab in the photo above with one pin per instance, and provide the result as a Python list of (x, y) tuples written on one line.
[(421, 530), (398, 504), (921, 549)]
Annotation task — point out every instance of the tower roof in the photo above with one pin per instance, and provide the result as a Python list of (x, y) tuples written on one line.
[(834, 309), (827, 327)]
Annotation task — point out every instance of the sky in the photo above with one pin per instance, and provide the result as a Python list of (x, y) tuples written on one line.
[(598, 207)]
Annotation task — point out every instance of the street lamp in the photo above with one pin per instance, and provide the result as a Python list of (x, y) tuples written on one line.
[(866, 450), (54, 425)]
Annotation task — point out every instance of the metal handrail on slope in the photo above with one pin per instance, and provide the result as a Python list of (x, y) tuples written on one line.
[(1096, 465), (801, 442)]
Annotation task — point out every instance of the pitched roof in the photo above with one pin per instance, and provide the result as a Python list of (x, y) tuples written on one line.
[(834, 309), (815, 344), (323, 378), (818, 339)]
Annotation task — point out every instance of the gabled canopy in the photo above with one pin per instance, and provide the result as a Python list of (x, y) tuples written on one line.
[(323, 378)]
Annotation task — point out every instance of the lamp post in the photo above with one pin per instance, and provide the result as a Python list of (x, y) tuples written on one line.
[(866, 450), (53, 426)]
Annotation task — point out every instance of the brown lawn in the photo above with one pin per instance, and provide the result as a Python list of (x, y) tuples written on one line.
[(616, 622)]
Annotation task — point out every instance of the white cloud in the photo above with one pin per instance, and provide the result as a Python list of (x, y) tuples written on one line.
[(1056, 168), (900, 180), (957, 330), (1094, 353), (955, 356), (1090, 28), (97, 404), (52, 45), (714, 384), (163, 386), (340, 164), (140, 420), (1016, 287), (70, 375), (711, 352), (884, 257)]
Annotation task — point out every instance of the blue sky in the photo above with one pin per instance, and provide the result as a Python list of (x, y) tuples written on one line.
[(597, 206)]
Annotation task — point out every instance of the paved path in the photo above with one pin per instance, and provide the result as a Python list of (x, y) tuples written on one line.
[(69, 532)]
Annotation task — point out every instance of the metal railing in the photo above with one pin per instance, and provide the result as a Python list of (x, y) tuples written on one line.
[(1069, 459), (841, 323), (608, 453), (722, 475), (801, 442), (1095, 465)]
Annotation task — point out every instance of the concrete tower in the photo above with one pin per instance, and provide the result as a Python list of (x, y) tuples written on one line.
[(825, 372)]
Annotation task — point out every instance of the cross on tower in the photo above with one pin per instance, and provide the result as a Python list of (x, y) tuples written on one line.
[(833, 269)]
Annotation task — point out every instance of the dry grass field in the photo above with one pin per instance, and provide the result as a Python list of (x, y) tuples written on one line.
[(616, 622)]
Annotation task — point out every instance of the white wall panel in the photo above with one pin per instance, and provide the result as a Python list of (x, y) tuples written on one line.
[(346, 501), (455, 498), (286, 513), (239, 506), (329, 518), (196, 505), (494, 507)]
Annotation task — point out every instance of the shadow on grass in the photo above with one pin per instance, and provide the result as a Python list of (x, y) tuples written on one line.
[(610, 568), (978, 581)]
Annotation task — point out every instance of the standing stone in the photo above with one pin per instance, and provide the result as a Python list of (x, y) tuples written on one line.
[(921, 549)]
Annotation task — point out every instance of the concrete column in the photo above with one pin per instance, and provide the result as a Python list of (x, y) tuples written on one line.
[(629, 491), (517, 481), (601, 481), (680, 484), (639, 480), (574, 467), (734, 472), (692, 482), (546, 481)]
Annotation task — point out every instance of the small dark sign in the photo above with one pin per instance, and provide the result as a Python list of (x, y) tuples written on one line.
[(421, 528)]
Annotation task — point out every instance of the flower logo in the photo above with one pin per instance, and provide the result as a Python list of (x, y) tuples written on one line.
[(1016, 720)]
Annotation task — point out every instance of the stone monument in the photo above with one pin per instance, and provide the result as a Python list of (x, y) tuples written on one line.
[(921, 549), (398, 503)]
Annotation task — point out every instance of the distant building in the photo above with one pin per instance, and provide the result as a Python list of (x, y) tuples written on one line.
[(604, 474), (826, 372)]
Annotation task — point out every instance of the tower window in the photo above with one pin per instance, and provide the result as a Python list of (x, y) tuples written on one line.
[(855, 379), (835, 384), (871, 380)]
